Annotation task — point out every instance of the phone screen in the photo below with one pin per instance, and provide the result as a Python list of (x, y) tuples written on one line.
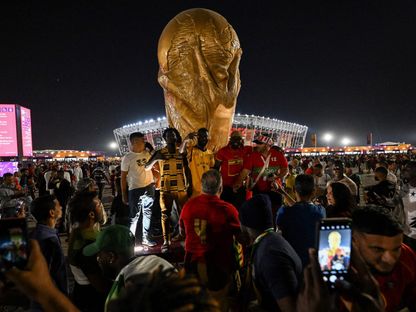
[(334, 251), (13, 243)]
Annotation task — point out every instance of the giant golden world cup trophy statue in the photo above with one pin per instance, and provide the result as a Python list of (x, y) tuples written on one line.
[(199, 54)]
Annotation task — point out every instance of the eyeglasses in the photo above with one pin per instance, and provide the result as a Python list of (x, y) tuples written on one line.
[(338, 168)]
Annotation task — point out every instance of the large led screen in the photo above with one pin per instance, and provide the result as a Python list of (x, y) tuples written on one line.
[(8, 167), (8, 135), (26, 123)]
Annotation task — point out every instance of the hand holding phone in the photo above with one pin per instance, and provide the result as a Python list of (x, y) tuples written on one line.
[(14, 250), (334, 249), (41, 290)]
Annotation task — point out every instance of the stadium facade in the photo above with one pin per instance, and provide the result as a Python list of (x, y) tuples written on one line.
[(285, 134)]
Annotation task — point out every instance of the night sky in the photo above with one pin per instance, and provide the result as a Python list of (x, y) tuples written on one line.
[(87, 67)]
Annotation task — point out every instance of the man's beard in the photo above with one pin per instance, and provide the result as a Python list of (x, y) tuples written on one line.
[(374, 271)]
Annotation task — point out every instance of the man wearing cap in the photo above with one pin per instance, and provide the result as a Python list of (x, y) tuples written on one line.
[(229, 160), (265, 166), (114, 248), (342, 178), (274, 266)]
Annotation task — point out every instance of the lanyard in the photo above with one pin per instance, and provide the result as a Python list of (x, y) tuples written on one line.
[(257, 241)]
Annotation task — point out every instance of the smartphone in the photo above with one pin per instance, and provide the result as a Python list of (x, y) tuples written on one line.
[(334, 248), (14, 243)]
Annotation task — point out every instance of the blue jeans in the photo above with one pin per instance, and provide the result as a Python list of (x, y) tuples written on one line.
[(140, 204)]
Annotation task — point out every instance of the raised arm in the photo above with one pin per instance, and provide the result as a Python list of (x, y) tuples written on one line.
[(189, 140), (153, 160)]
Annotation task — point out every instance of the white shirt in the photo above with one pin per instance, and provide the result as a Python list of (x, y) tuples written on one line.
[(47, 176), (78, 174), (322, 181), (133, 164), (111, 168)]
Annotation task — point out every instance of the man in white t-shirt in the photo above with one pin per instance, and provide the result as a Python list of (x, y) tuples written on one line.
[(77, 173), (321, 179), (138, 189)]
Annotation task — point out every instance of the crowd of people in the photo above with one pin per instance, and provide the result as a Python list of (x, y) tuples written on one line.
[(247, 217)]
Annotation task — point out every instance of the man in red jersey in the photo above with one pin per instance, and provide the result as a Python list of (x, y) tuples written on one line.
[(229, 160), (210, 225), (266, 166), (378, 236)]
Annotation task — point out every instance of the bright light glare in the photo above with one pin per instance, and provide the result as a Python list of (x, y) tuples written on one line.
[(346, 141), (328, 137), (113, 145), (138, 248)]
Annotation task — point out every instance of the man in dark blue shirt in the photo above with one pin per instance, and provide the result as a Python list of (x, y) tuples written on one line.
[(274, 266), (47, 211), (298, 222)]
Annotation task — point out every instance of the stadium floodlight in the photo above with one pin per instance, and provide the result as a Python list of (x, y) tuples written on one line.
[(113, 145), (328, 137), (346, 141)]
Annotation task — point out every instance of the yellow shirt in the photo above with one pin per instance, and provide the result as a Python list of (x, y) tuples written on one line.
[(290, 186), (199, 163)]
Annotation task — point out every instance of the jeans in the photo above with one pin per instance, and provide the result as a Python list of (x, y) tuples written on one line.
[(140, 204)]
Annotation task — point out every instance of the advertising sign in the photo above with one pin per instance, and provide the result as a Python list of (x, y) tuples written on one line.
[(26, 123)]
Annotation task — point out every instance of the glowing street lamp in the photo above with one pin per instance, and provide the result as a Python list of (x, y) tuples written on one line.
[(113, 145)]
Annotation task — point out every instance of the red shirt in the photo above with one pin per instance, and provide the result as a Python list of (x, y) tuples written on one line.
[(255, 162), (210, 224), (400, 285), (232, 162)]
